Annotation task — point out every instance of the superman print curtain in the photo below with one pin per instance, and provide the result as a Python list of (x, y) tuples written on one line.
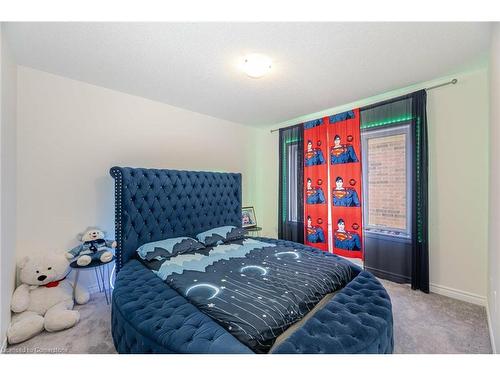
[(344, 144), (316, 184), (332, 184)]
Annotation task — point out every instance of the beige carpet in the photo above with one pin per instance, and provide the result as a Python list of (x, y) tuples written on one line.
[(434, 324), (423, 323)]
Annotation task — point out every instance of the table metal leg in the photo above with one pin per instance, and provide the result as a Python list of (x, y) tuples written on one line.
[(108, 279), (103, 272), (97, 278), (75, 282), (101, 280)]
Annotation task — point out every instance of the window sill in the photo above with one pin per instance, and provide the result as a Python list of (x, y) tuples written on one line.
[(387, 235)]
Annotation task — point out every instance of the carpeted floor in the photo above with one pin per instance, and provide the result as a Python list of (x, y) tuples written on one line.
[(434, 324), (423, 323), (92, 334)]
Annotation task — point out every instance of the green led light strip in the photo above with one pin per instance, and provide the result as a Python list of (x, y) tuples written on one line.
[(418, 145), (388, 121)]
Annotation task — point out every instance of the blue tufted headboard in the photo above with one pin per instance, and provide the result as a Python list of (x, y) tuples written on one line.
[(154, 204)]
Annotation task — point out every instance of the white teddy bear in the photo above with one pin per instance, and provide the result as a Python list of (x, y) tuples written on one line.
[(94, 246), (44, 300)]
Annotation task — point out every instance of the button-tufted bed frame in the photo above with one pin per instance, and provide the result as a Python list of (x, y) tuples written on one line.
[(150, 317)]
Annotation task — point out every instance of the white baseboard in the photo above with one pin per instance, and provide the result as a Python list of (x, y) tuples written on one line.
[(490, 327), (458, 294)]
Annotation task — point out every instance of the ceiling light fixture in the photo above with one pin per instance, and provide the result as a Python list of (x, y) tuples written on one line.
[(256, 65)]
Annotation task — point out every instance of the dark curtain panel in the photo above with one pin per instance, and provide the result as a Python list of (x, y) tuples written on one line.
[(420, 253), (291, 183), (386, 115)]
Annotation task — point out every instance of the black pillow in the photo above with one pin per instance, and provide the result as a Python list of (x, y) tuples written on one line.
[(168, 248), (236, 234), (187, 245), (219, 235)]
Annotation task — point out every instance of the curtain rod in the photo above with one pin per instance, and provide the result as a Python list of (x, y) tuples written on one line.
[(452, 82)]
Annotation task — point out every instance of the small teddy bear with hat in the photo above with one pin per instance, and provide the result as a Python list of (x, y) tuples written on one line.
[(93, 247)]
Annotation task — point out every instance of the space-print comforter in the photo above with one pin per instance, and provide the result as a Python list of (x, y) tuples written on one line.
[(255, 290)]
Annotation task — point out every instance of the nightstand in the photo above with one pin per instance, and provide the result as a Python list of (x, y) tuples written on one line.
[(102, 275)]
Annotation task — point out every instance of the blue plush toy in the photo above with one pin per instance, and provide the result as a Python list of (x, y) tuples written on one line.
[(93, 247)]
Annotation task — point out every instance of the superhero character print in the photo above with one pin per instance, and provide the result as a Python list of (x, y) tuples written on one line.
[(342, 153)]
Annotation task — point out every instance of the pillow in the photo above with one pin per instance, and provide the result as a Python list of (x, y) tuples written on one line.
[(219, 235), (236, 234), (168, 248)]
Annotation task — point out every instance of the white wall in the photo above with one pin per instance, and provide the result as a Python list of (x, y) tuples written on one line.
[(8, 94), (70, 133), (494, 229), (267, 162), (458, 187)]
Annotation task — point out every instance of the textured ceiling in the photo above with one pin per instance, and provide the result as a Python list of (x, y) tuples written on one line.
[(194, 65)]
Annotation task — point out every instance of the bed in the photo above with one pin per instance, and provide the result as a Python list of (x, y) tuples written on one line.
[(149, 315)]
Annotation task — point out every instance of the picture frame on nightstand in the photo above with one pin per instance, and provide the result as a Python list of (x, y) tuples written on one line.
[(248, 218)]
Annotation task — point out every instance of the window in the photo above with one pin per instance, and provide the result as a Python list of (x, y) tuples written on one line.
[(291, 202), (387, 174)]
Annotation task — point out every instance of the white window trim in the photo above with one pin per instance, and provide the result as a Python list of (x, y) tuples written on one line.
[(395, 233)]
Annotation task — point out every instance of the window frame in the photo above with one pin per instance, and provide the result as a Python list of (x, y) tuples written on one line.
[(379, 132)]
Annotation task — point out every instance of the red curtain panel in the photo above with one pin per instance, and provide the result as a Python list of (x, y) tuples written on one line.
[(344, 158), (316, 184)]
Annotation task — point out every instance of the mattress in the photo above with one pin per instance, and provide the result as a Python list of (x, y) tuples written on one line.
[(257, 291)]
